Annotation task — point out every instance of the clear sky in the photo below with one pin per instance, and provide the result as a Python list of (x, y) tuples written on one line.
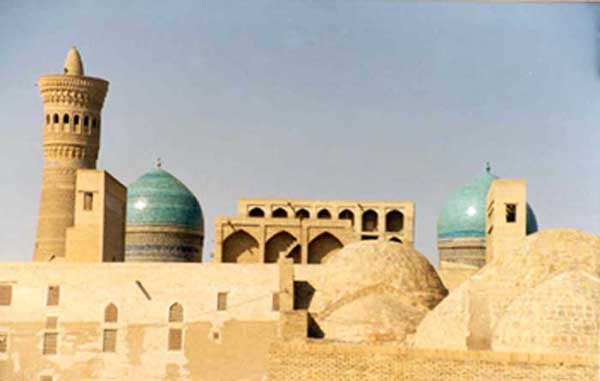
[(350, 99)]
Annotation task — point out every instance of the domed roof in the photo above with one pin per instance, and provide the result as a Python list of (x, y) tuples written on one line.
[(463, 215), (158, 198), (375, 291), (465, 319), (560, 315), (73, 63)]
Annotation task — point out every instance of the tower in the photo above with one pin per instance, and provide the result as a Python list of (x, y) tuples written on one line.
[(506, 216), (71, 140)]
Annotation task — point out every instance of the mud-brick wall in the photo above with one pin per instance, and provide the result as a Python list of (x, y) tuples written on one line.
[(328, 361)]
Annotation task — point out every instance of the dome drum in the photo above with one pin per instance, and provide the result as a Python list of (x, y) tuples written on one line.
[(468, 251), (163, 244)]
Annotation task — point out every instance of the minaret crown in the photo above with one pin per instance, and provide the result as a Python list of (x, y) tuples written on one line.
[(73, 63)]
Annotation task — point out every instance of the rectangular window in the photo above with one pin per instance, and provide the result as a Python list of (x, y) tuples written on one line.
[(511, 213), (222, 301), (275, 303), (3, 342), (109, 340), (88, 200), (51, 322), (53, 296), (5, 295), (50, 343), (175, 339)]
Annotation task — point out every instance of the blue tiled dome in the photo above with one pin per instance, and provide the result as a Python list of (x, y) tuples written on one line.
[(463, 215), (159, 199)]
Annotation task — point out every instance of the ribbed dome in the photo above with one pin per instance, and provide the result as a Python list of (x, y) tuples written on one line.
[(463, 215), (158, 199)]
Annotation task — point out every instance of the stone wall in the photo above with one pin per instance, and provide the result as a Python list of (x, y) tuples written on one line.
[(216, 344), (331, 361)]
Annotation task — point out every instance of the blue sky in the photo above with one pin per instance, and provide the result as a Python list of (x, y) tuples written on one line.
[(349, 99)]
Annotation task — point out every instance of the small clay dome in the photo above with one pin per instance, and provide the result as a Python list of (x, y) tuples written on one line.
[(559, 316), (467, 317), (375, 291)]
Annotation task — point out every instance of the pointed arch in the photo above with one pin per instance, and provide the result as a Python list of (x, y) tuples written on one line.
[(240, 247), (277, 244), (279, 213), (323, 247), (256, 212), (302, 213), (394, 221), (324, 214), (175, 313), (346, 214), (369, 221), (111, 314)]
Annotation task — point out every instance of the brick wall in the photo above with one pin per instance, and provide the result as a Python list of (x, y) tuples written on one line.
[(327, 361)]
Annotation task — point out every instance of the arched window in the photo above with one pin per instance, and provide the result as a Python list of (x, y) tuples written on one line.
[(55, 118), (323, 247), (394, 221), (66, 118), (175, 313), (278, 245), (346, 215), (86, 121), (94, 123), (175, 337), (324, 214), (240, 247), (279, 213), (369, 221), (47, 118), (302, 213), (76, 120), (395, 239), (256, 212), (111, 314)]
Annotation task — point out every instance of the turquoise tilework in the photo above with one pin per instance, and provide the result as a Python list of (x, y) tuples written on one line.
[(463, 215), (158, 198)]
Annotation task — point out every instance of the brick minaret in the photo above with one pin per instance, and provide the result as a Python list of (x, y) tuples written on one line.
[(72, 108)]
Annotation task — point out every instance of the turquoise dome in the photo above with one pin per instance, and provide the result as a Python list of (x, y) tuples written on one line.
[(463, 215), (159, 199)]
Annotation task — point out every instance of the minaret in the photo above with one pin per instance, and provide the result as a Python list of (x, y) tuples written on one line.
[(72, 108)]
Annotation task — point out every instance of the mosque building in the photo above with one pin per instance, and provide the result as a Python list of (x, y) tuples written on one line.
[(298, 290)]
